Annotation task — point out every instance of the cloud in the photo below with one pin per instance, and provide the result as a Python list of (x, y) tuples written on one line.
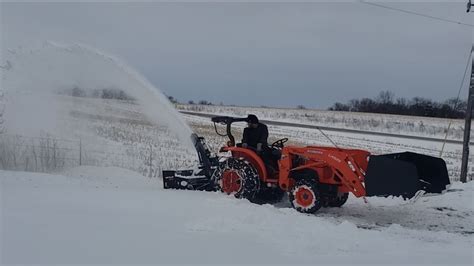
[(264, 53)]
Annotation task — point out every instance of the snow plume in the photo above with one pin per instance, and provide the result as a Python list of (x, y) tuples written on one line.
[(38, 84)]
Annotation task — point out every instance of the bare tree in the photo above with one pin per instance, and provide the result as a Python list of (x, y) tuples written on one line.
[(204, 102), (386, 97)]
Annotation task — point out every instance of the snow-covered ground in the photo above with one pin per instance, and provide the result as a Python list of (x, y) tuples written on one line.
[(111, 215)]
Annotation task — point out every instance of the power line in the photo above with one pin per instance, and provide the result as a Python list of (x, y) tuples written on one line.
[(439, 19), (417, 14), (456, 102)]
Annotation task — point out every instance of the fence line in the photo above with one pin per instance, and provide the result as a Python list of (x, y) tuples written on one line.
[(47, 138), (45, 147), (45, 154), (48, 153)]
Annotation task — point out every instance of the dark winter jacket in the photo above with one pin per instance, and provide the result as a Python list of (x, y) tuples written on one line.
[(253, 136)]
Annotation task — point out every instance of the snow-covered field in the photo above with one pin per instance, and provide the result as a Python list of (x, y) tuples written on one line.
[(110, 215), (117, 133), (405, 125)]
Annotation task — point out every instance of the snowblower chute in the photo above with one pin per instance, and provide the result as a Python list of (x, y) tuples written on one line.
[(312, 176)]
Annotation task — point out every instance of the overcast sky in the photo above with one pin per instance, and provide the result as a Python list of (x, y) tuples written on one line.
[(274, 54)]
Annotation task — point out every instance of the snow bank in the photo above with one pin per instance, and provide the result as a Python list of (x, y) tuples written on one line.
[(80, 217)]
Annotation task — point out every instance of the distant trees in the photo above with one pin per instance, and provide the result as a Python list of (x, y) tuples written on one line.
[(204, 102), (105, 93), (113, 93), (173, 100), (385, 97), (78, 92), (190, 102), (386, 103)]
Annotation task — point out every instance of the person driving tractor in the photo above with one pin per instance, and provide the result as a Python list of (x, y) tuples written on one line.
[(255, 134)]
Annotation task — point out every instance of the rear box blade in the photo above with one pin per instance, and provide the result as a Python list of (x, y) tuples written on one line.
[(403, 174)]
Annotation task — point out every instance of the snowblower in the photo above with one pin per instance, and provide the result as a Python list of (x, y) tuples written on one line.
[(312, 176)]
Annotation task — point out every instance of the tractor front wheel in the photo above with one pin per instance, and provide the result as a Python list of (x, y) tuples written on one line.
[(305, 196)]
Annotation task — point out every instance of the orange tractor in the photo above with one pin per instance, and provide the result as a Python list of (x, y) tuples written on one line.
[(312, 176)]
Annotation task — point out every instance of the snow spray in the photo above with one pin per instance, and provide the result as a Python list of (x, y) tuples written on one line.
[(32, 79)]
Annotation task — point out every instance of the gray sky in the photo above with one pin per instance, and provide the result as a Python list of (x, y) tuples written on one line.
[(275, 54)]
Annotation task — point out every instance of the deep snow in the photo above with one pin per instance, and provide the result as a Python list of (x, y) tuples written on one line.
[(112, 215)]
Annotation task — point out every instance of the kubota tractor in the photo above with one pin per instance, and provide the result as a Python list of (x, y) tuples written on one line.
[(313, 176)]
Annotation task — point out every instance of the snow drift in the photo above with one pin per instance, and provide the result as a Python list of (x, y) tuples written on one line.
[(110, 216)]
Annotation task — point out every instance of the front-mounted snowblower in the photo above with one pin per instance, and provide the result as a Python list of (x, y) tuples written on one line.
[(313, 176), (196, 179)]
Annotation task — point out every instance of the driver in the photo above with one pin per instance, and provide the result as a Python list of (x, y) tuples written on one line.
[(255, 134)]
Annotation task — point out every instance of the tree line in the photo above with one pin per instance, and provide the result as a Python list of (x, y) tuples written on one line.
[(191, 102), (385, 103)]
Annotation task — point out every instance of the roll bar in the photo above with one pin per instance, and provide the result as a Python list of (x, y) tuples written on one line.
[(227, 120)]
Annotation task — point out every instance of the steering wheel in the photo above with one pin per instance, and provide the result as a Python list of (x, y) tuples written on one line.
[(279, 143)]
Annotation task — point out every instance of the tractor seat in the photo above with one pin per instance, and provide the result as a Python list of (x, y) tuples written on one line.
[(276, 153), (270, 157)]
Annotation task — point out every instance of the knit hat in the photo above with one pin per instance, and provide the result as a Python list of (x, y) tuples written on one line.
[(252, 119)]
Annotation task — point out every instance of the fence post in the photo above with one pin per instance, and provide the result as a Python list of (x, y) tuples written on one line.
[(150, 174), (80, 152)]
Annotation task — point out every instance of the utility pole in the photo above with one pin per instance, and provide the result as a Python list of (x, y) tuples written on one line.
[(467, 125)]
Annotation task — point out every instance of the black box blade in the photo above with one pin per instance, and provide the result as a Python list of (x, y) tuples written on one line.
[(403, 174)]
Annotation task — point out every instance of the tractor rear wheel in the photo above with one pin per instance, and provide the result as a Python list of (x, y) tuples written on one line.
[(238, 177), (305, 196)]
